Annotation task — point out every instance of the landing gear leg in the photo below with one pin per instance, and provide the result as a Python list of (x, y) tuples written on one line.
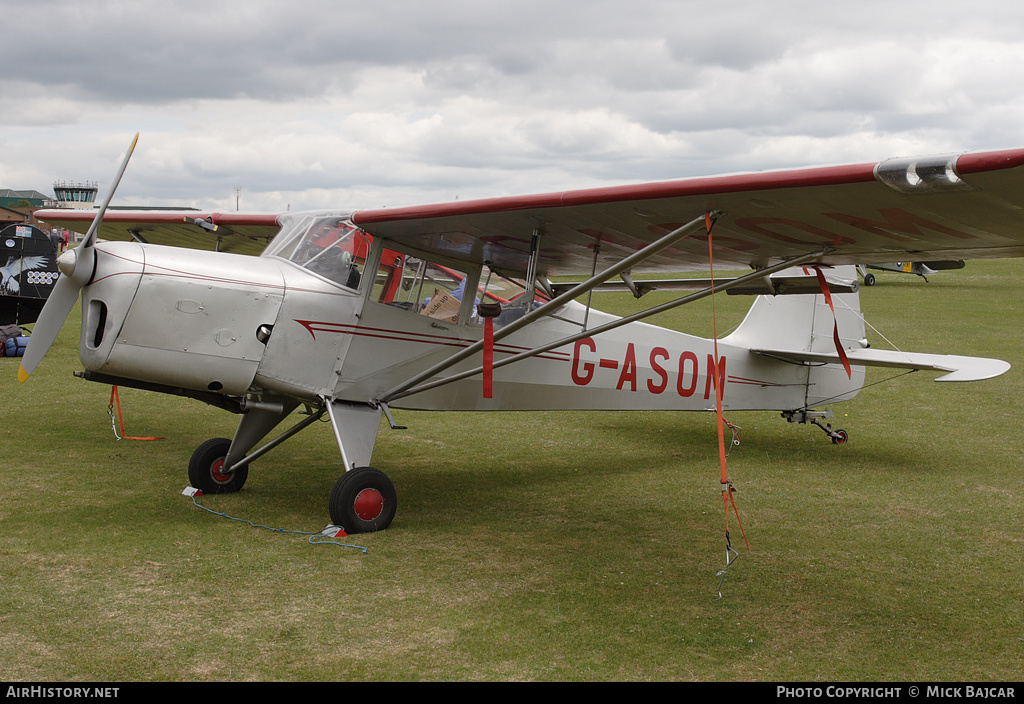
[(839, 436), (364, 499), (869, 279)]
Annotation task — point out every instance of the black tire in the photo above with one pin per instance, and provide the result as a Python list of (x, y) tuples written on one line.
[(363, 500), (840, 438), (205, 469), (869, 280)]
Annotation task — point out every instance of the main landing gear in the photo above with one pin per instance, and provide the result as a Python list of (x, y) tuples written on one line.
[(839, 436), (363, 499), (207, 472)]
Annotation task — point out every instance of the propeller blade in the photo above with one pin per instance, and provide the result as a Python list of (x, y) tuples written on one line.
[(59, 304), (76, 268), (90, 236)]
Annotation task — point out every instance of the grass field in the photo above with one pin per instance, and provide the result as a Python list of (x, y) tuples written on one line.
[(541, 546)]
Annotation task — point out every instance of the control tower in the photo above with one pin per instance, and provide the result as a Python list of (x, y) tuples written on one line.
[(75, 195)]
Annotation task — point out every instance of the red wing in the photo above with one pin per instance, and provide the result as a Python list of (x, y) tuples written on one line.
[(241, 233), (930, 208)]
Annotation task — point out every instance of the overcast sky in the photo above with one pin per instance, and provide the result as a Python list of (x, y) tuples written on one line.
[(317, 103)]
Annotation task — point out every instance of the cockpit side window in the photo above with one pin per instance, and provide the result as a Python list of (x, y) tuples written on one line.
[(426, 287), (509, 293), (420, 286)]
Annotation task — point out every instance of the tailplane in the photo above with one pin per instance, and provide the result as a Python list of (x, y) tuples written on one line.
[(803, 329)]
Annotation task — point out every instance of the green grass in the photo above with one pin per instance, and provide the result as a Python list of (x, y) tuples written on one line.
[(540, 546)]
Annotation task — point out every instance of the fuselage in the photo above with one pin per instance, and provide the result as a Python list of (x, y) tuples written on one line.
[(324, 314)]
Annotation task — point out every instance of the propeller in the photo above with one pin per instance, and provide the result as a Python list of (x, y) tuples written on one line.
[(77, 266)]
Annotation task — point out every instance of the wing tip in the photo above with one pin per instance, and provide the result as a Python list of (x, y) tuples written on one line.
[(977, 369), (975, 162)]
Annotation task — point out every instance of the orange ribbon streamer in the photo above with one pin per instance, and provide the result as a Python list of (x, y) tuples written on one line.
[(727, 487), (835, 330), (115, 398)]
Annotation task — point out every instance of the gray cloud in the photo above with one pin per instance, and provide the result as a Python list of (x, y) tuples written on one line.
[(402, 101)]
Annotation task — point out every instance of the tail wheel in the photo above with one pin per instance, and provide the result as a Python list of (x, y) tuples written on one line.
[(840, 437), (206, 470), (363, 500)]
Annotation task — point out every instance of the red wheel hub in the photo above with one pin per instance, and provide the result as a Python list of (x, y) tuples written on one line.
[(218, 473), (368, 504)]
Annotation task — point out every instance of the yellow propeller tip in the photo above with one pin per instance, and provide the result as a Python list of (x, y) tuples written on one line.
[(22, 374)]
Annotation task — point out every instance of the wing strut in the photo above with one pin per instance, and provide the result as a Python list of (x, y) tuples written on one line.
[(760, 273), (626, 264)]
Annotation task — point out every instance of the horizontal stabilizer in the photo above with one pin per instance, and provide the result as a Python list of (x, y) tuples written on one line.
[(959, 368)]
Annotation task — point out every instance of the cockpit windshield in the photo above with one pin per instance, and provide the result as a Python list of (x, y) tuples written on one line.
[(327, 245)]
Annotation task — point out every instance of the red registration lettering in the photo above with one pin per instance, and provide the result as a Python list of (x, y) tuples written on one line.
[(683, 359), (712, 373), (686, 381), (578, 378), (628, 369), (763, 226), (897, 224), (656, 353)]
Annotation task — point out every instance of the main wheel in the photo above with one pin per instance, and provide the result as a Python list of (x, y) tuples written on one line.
[(869, 280), (206, 469), (840, 437), (363, 500)]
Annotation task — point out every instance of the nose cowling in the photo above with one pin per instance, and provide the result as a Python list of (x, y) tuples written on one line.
[(179, 317)]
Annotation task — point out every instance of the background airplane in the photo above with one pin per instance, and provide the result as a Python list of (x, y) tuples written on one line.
[(922, 269), (28, 272), (348, 313)]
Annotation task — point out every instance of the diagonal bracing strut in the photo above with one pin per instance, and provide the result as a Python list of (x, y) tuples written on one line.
[(615, 324), (412, 386), (703, 293), (695, 225)]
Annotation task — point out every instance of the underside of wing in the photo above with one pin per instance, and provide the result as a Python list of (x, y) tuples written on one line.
[(931, 208), (772, 286), (238, 233)]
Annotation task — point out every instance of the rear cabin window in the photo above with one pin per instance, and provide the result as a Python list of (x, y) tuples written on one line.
[(419, 286)]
